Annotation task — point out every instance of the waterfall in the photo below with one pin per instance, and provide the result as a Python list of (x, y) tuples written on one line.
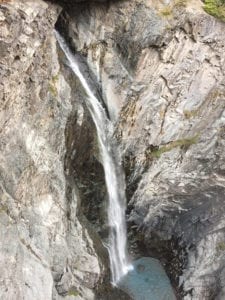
[(113, 175)]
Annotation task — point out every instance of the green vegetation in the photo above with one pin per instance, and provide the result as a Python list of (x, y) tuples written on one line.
[(167, 11), (215, 8), (52, 85), (190, 113), (52, 89), (55, 78), (220, 247), (3, 209), (181, 3), (73, 292), (182, 143)]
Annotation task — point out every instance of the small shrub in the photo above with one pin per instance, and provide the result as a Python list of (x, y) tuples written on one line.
[(181, 3), (52, 85), (73, 292), (52, 89), (166, 11), (182, 143), (220, 247), (215, 8), (190, 113)]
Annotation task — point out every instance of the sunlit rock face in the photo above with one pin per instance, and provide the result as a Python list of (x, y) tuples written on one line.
[(161, 70), (46, 252)]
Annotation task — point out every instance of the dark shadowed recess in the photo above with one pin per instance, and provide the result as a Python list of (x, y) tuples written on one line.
[(70, 4)]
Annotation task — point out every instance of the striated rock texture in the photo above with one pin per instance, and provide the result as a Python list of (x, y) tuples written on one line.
[(160, 67), (162, 72), (47, 248)]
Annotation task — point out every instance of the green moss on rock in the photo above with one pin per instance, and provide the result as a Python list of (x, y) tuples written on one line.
[(52, 89), (167, 11), (52, 85), (73, 292), (215, 8), (182, 143), (191, 113)]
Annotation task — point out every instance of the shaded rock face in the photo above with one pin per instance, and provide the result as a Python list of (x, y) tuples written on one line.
[(162, 74), (70, 4)]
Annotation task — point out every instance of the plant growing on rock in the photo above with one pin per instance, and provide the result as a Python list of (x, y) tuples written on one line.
[(167, 11), (185, 143), (73, 292), (215, 8)]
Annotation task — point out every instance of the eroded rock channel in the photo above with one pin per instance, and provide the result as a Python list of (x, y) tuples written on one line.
[(157, 68)]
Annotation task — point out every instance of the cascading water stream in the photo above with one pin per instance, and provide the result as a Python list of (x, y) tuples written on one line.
[(145, 278), (113, 175)]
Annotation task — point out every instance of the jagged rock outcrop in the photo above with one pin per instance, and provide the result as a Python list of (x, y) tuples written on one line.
[(161, 66)]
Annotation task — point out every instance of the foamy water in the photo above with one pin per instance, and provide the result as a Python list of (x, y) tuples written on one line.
[(113, 175)]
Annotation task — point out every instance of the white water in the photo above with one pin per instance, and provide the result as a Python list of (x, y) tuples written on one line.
[(113, 176)]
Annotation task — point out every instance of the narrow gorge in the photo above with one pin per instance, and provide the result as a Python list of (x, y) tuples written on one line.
[(92, 88)]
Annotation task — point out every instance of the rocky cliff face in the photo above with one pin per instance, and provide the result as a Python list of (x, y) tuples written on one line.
[(47, 248), (160, 66)]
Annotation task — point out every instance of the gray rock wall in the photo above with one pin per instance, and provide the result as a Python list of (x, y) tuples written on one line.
[(46, 251), (160, 65), (162, 72)]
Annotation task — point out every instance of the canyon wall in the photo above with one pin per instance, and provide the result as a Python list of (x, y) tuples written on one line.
[(160, 70), (48, 250)]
